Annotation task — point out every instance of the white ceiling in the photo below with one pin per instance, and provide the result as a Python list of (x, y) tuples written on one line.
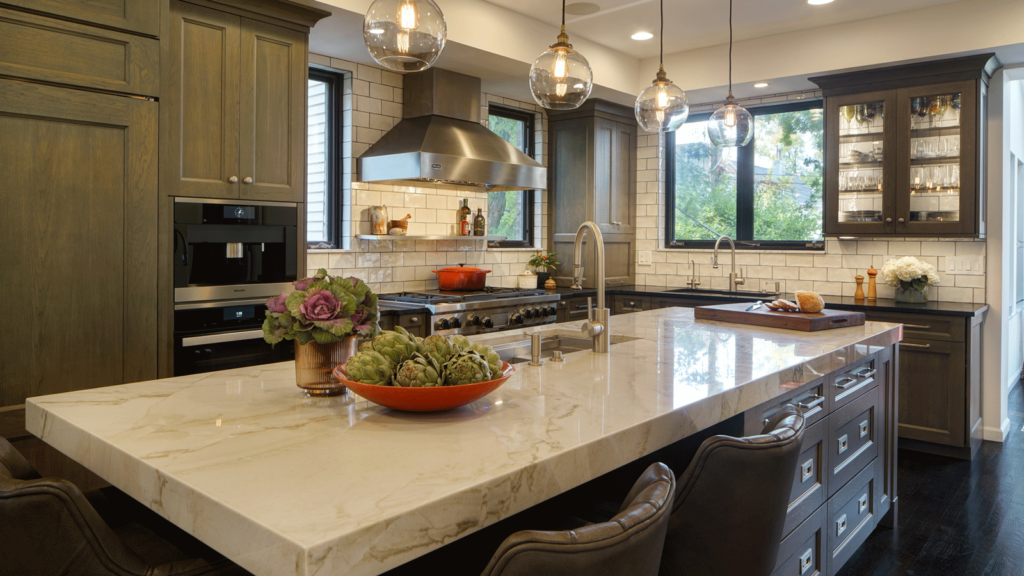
[(691, 24)]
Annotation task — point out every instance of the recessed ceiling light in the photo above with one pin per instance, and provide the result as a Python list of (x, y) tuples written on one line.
[(761, 85), (642, 36), (582, 9), (819, 2)]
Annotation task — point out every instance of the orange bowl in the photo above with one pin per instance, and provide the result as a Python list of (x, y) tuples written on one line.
[(424, 399)]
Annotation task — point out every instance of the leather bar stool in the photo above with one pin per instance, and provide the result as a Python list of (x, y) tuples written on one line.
[(730, 504), (48, 527), (628, 544)]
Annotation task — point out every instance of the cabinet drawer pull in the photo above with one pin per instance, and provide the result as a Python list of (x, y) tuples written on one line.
[(806, 471), (917, 327), (414, 319), (844, 443), (863, 428), (865, 373), (918, 346), (845, 382), (809, 403), (862, 504), (841, 525), (616, 223), (806, 560)]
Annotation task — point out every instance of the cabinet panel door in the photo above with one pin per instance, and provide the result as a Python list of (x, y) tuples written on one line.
[(142, 16), (623, 179), (273, 112), (80, 203), (199, 112), (931, 391)]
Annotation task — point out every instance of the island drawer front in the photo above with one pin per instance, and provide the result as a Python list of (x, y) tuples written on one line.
[(810, 482), (812, 402), (948, 328), (802, 553), (854, 436), (630, 304), (62, 52), (851, 518), (853, 381)]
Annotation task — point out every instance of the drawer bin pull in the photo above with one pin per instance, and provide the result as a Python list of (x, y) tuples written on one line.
[(806, 560), (843, 443), (806, 471), (841, 525), (863, 428), (845, 382), (809, 403), (917, 327), (865, 373), (862, 504), (918, 346)]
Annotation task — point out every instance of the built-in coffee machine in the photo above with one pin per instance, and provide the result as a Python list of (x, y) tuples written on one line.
[(229, 258)]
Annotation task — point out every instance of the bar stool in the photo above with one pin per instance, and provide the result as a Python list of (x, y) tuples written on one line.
[(628, 544), (730, 504), (48, 527)]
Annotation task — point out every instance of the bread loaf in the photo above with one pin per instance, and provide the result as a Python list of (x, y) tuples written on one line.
[(809, 301)]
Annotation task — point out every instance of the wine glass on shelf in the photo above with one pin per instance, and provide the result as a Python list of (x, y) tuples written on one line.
[(938, 106), (847, 113)]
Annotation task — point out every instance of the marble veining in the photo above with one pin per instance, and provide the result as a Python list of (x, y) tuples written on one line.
[(287, 485)]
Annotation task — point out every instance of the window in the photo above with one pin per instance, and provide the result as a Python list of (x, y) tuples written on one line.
[(766, 194), (323, 147), (510, 214)]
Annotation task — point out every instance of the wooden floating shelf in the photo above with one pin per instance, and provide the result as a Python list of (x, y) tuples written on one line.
[(379, 237)]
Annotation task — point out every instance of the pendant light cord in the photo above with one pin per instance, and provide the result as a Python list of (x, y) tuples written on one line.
[(730, 45), (661, 39), (563, 14)]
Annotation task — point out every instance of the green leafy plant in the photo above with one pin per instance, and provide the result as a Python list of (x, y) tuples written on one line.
[(322, 309), (544, 261), (400, 359)]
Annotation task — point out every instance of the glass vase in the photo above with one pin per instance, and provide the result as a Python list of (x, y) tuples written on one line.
[(314, 364), (911, 295)]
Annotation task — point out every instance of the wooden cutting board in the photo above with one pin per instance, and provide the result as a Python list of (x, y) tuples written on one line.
[(737, 314)]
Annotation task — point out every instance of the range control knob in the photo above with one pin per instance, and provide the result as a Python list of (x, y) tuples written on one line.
[(545, 312), (473, 321), (527, 312), (552, 311), (456, 323), (442, 324), (488, 323)]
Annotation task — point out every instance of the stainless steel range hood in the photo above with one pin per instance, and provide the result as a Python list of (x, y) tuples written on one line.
[(441, 140)]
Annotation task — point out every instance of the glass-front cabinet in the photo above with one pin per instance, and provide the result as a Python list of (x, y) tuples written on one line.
[(905, 160)]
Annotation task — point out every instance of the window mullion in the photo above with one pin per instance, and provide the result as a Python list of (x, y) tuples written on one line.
[(745, 192)]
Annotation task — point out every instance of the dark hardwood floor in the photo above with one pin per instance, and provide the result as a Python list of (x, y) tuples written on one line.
[(962, 518)]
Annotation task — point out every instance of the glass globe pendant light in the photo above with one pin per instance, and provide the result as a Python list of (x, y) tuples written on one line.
[(404, 35), (731, 125), (662, 106), (561, 78)]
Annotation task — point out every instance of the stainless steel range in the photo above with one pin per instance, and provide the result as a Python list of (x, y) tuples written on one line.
[(488, 310)]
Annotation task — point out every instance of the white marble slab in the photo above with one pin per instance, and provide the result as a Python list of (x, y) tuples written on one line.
[(286, 485)]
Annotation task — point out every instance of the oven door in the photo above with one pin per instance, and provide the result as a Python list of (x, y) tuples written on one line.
[(221, 336)]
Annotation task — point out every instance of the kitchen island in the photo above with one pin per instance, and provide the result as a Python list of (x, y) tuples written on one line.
[(283, 485)]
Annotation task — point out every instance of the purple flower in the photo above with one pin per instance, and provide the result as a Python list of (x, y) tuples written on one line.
[(320, 306), (303, 284), (359, 316), (355, 281), (276, 304)]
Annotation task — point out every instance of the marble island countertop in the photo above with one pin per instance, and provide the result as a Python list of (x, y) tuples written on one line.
[(285, 485)]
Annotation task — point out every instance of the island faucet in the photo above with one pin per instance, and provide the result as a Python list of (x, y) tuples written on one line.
[(734, 279), (694, 280), (595, 327)]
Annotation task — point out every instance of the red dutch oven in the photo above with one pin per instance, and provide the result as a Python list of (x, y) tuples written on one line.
[(461, 278)]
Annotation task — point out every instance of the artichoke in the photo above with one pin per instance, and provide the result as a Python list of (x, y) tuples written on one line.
[(419, 371), (467, 367), (395, 346), (438, 347), (488, 354), (370, 368), (415, 339), (366, 346), (460, 343)]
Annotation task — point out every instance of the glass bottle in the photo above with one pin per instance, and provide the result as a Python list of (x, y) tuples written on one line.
[(479, 224), (465, 227)]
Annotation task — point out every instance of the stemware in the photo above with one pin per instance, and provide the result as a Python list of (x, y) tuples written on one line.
[(938, 105), (861, 113), (955, 102)]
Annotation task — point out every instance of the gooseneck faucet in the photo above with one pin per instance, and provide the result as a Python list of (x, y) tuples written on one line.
[(734, 279), (595, 327)]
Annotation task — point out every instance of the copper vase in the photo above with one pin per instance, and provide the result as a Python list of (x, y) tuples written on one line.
[(315, 362)]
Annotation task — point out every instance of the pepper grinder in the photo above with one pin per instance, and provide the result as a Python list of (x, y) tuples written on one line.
[(872, 291), (859, 294)]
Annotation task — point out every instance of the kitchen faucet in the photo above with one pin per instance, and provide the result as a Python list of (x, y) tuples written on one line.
[(734, 279), (694, 280), (596, 325)]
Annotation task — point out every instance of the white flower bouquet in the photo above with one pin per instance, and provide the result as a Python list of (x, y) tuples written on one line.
[(909, 272)]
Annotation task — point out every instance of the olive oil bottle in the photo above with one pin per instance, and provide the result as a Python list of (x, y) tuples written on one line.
[(479, 224)]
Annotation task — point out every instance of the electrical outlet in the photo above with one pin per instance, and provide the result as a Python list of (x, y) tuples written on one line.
[(966, 265), (645, 258)]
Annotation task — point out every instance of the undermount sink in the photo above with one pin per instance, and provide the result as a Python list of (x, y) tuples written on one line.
[(724, 293), (516, 349)]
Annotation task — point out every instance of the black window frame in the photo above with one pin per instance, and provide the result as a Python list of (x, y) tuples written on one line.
[(334, 197), (529, 118), (744, 190)]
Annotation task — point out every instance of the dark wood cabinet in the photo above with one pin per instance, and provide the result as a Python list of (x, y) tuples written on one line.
[(903, 149), (593, 177), (573, 308), (139, 16), (624, 304), (233, 112)]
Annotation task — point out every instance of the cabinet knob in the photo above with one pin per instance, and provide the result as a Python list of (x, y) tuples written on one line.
[(616, 223), (888, 220), (901, 220), (233, 179), (248, 180)]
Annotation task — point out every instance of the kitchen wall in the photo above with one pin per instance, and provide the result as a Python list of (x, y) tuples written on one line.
[(829, 273), (372, 105)]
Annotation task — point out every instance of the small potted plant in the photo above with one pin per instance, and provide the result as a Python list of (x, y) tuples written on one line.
[(910, 277), (325, 315), (544, 263)]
